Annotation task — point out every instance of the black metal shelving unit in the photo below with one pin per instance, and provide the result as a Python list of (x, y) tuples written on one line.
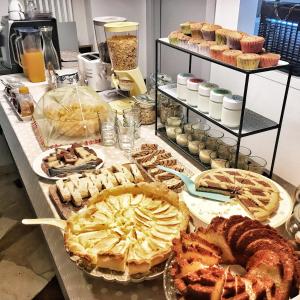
[(251, 123)]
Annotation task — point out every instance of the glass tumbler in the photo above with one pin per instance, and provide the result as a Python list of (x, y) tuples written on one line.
[(224, 147), (125, 132), (212, 137), (244, 153), (218, 162), (133, 115), (108, 130), (256, 164), (199, 131)]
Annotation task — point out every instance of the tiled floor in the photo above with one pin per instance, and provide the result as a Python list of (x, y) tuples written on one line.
[(25, 266)]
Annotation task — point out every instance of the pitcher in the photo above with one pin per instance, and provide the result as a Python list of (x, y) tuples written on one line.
[(30, 54)]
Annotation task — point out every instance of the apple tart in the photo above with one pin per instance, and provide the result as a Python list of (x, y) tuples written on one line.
[(127, 228)]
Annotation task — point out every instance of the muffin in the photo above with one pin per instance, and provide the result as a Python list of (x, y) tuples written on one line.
[(230, 56), (234, 40), (208, 31), (203, 47), (248, 61), (252, 44), (269, 60), (221, 36), (193, 44), (196, 29), (216, 51), (183, 40), (186, 27), (173, 37)]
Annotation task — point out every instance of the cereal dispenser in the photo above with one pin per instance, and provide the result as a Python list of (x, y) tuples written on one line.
[(122, 42)]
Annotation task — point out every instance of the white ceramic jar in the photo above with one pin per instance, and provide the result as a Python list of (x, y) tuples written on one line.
[(203, 95), (181, 85), (216, 102), (192, 85), (231, 111)]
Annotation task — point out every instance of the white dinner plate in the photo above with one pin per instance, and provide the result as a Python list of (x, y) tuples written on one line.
[(203, 210), (37, 163)]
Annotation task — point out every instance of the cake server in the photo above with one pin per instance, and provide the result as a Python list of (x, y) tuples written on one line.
[(46, 221), (190, 186)]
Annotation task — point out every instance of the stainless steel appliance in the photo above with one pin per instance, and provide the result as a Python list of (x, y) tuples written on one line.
[(9, 28)]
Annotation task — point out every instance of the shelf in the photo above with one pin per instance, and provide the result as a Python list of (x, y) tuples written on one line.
[(192, 158), (281, 65), (161, 132), (253, 122)]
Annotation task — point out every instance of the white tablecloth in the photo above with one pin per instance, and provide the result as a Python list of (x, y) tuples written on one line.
[(75, 284)]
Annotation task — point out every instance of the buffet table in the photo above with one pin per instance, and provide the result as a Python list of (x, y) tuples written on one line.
[(75, 284)]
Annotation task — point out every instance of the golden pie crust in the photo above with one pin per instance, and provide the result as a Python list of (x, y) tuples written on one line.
[(127, 228), (257, 194)]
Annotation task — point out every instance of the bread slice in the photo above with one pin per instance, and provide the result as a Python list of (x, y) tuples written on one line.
[(138, 177), (123, 169)]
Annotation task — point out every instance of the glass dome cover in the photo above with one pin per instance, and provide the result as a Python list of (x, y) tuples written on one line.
[(70, 114)]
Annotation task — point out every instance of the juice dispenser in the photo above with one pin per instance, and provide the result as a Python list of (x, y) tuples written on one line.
[(122, 42), (30, 54)]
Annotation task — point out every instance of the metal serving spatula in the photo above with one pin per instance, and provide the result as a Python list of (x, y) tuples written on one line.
[(190, 186)]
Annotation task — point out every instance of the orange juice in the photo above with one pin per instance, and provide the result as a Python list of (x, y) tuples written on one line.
[(23, 65), (34, 65)]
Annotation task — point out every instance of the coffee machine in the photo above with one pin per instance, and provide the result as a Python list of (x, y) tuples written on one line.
[(9, 28)]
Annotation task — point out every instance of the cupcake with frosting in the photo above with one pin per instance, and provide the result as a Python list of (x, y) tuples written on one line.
[(203, 47), (252, 44), (216, 51), (248, 61), (196, 29), (233, 39), (221, 36), (230, 56), (193, 44), (186, 27), (173, 37), (183, 40), (209, 31), (269, 60)]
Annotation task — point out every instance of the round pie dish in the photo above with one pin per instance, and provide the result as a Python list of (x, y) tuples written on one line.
[(126, 231), (277, 211)]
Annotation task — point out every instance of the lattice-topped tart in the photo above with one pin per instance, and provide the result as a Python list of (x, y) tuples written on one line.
[(258, 195), (127, 228)]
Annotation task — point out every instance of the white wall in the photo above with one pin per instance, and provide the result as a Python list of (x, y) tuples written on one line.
[(174, 12), (3, 7), (265, 97), (80, 17)]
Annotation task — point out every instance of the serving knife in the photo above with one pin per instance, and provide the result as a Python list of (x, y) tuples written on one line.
[(66, 170)]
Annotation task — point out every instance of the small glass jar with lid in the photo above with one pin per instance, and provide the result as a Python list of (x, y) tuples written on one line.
[(216, 102), (203, 95), (231, 110), (147, 109), (192, 91), (169, 108), (181, 85)]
